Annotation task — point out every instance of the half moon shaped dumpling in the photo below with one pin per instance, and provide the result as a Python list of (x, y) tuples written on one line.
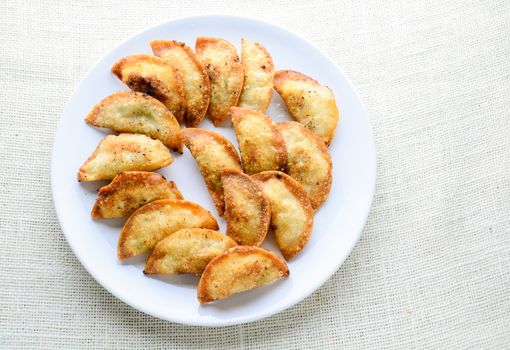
[(187, 251), (155, 77), (135, 112), (154, 221), (310, 103), (291, 211), (237, 270), (194, 77), (247, 210), (131, 190), (225, 71), (308, 161), (261, 144), (124, 152), (213, 154), (258, 76)]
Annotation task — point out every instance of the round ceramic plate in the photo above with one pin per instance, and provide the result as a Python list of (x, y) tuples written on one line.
[(337, 225)]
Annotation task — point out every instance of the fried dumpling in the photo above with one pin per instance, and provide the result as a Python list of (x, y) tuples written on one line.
[(258, 76), (187, 251), (213, 154), (155, 77), (291, 211), (310, 103), (156, 220), (225, 71), (247, 210), (308, 161), (194, 77), (237, 270), (130, 190), (124, 152), (261, 145), (135, 112)]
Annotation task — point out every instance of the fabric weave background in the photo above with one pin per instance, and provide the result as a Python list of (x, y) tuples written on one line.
[(432, 269)]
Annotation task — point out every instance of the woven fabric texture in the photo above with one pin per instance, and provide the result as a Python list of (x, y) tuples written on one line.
[(432, 269)]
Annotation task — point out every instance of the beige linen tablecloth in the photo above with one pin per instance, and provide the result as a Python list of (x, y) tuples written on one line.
[(432, 269)]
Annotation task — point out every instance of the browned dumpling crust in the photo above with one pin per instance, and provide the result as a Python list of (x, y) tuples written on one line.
[(194, 77), (310, 103), (125, 152), (155, 77), (291, 211), (131, 190), (135, 112), (258, 76), (213, 153), (308, 161), (154, 221), (261, 145), (247, 210), (237, 270), (187, 251), (225, 71)]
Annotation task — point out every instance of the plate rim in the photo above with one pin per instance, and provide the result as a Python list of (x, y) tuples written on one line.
[(284, 305)]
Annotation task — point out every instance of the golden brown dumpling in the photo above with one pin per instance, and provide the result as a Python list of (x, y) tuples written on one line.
[(194, 76), (155, 77), (247, 210), (310, 103), (135, 112), (213, 154), (130, 190), (187, 251), (124, 152), (154, 221), (261, 144), (308, 161), (225, 71), (258, 76), (291, 211), (237, 270)]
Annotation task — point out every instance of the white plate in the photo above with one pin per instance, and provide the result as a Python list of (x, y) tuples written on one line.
[(338, 224)]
